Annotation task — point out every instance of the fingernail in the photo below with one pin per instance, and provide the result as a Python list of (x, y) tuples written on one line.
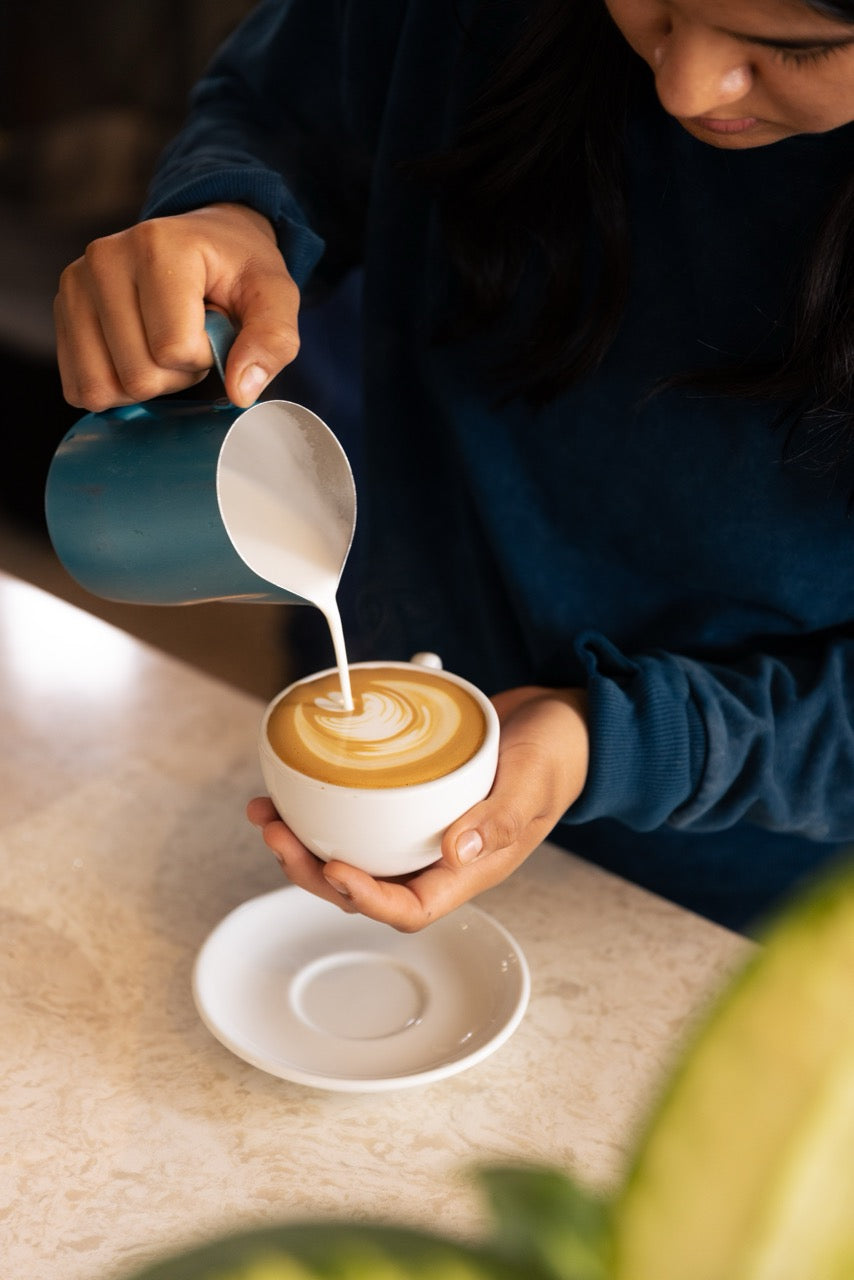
[(338, 887), (469, 845), (253, 382)]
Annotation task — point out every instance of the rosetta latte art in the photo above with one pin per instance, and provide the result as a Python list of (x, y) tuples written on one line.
[(406, 727)]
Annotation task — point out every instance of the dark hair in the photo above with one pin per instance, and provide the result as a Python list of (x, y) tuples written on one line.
[(537, 167), (840, 12)]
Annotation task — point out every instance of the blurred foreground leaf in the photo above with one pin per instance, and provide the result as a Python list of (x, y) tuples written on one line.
[(543, 1218), (746, 1171), (336, 1251)]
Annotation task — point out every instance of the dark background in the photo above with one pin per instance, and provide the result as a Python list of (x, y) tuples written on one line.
[(89, 93)]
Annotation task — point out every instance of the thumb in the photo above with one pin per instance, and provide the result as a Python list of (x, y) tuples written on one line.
[(495, 825), (268, 339), (533, 787), (244, 274)]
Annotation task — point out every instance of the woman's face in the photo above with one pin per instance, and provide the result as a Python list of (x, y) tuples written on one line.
[(743, 73)]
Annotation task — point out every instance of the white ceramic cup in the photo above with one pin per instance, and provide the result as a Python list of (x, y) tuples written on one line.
[(386, 831)]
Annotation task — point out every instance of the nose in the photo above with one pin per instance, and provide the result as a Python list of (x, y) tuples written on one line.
[(698, 71)]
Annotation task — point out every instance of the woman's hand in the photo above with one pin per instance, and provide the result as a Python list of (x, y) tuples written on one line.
[(542, 767), (130, 313)]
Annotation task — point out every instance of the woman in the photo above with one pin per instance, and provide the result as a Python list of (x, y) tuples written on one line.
[(608, 397)]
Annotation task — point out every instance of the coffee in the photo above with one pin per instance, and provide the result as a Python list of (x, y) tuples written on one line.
[(407, 726)]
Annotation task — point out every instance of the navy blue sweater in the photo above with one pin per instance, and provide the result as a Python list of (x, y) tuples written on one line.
[(664, 554)]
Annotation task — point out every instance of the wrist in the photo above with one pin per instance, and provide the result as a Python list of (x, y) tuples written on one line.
[(241, 214), (551, 724)]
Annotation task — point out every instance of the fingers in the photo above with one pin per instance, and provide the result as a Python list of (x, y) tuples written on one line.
[(300, 866), (129, 314), (410, 903), (129, 318), (407, 903), (541, 770), (260, 811)]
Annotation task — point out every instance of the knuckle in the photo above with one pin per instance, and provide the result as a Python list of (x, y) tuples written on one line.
[(414, 918), (139, 384), (97, 255), (68, 279), (409, 926), (144, 242), (171, 351), (285, 342), (77, 399), (290, 290), (150, 236), (94, 396), (505, 828)]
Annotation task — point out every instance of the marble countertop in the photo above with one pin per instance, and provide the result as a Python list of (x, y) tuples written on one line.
[(127, 1128)]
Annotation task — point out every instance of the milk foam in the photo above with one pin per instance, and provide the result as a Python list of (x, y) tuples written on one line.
[(396, 721), (406, 726)]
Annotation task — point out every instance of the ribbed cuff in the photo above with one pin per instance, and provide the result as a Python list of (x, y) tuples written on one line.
[(261, 190), (647, 739)]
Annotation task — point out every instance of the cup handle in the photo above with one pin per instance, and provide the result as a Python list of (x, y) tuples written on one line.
[(430, 660), (221, 334)]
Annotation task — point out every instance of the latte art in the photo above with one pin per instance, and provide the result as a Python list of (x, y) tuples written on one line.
[(407, 726), (386, 723)]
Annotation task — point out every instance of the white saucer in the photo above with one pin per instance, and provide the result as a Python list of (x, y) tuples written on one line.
[(298, 988)]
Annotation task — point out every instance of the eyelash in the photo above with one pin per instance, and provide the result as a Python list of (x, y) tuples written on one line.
[(804, 57)]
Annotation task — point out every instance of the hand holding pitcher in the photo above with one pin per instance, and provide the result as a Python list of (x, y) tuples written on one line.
[(129, 312)]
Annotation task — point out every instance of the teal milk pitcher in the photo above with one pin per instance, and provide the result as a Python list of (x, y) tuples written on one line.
[(180, 502)]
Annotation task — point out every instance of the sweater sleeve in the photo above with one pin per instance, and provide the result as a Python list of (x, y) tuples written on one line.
[(701, 746), (271, 124)]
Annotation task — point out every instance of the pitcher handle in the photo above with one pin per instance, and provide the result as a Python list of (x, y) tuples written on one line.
[(221, 335)]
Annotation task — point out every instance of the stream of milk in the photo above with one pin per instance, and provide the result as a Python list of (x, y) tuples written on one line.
[(332, 614), (291, 548)]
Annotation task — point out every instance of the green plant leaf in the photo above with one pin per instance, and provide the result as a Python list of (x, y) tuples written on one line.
[(545, 1220), (745, 1171), (335, 1251)]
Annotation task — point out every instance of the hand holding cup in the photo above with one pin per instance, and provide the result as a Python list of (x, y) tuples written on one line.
[(542, 768), (377, 787)]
